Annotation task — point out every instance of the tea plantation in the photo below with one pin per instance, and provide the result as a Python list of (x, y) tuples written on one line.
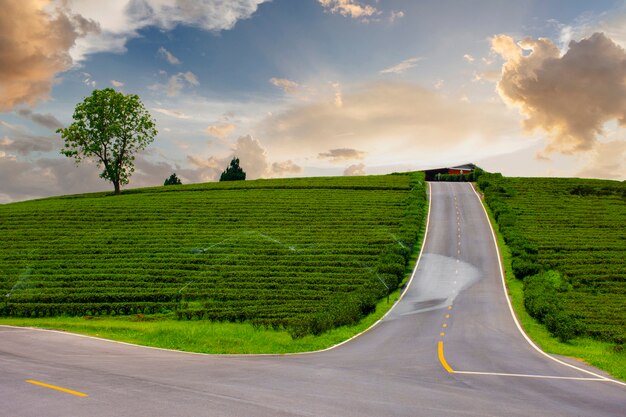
[(304, 254), (568, 241)]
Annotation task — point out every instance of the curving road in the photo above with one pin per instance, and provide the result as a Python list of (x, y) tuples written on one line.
[(450, 347)]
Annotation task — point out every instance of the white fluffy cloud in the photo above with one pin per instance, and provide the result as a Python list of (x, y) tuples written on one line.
[(121, 20), (351, 8), (42, 38), (569, 96)]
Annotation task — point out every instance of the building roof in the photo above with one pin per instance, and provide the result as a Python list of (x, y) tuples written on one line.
[(466, 167)]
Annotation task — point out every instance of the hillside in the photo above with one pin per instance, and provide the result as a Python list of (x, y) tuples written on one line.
[(575, 228), (274, 252)]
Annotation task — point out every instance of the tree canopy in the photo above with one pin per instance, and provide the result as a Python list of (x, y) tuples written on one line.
[(109, 127), (233, 172), (172, 180)]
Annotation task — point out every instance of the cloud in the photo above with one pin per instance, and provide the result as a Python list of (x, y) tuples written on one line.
[(34, 178), (190, 77), (220, 131), (121, 20), (393, 16), (59, 176), (569, 96), (402, 66), (46, 177), (341, 154), (338, 96), (468, 58), (353, 170), (608, 160), (172, 113), (283, 168), (611, 22), (168, 56), (487, 75), (176, 83), (45, 120), (253, 160), (396, 121), (88, 81), (117, 84), (35, 46), (349, 8), (288, 86), (24, 144)]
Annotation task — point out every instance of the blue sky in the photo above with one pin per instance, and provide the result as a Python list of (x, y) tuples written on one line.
[(318, 87)]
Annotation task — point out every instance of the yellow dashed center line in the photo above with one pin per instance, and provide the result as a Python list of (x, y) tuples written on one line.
[(447, 316), (444, 325)]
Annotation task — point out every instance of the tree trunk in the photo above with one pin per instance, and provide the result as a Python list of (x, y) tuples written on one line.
[(116, 184)]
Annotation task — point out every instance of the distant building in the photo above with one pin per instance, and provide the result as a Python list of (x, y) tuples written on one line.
[(461, 169), (456, 170)]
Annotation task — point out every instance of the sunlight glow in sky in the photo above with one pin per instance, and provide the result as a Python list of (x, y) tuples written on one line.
[(318, 87)]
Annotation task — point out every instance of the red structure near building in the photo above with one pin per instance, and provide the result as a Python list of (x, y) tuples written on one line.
[(461, 169), (457, 170)]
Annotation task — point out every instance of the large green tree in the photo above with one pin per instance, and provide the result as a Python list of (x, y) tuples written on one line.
[(109, 127)]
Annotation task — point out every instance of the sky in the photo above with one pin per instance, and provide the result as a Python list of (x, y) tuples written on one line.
[(299, 88)]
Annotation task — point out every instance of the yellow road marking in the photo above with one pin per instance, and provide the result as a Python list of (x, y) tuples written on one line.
[(445, 325), (54, 387), (442, 358), (458, 251), (447, 316), (441, 334), (449, 307)]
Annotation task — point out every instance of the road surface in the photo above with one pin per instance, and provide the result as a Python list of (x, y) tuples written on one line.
[(450, 347)]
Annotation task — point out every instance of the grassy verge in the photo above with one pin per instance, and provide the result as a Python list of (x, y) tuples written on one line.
[(201, 335), (602, 355), (214, 337)]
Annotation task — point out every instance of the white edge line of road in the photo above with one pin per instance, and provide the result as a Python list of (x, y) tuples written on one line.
[(573, 378), (406, 288), (508, 300)]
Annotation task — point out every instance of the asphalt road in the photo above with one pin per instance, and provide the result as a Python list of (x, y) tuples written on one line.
[(454, 314)]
